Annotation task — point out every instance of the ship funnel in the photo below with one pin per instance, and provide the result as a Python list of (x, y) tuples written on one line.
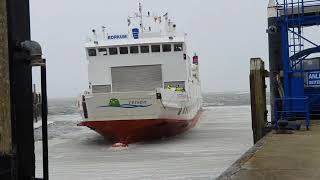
[(272, 9)]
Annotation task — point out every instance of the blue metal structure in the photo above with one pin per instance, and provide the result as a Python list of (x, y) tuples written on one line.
[(301, 85)]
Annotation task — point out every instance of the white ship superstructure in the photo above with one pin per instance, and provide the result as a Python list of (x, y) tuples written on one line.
[(140, 81)]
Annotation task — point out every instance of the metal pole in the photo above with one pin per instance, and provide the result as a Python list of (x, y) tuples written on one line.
[(44, 121), (275, 61)]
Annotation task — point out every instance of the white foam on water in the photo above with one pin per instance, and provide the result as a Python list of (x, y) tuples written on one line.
[(69, 117), (38, 124)]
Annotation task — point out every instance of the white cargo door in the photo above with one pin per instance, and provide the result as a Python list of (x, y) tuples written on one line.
[(136, 78)]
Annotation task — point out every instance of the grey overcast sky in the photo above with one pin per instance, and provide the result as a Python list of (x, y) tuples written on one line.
[(225, 35)]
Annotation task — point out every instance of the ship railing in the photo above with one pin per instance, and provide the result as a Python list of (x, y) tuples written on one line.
[(287, 109)]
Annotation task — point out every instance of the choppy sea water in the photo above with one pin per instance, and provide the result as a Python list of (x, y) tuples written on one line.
[(222, 135)]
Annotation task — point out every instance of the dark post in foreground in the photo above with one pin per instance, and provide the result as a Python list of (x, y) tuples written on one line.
[(5, 106), (258, 98), (17, 158)]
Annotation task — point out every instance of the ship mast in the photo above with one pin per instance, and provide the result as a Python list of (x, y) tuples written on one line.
[(140, 16)]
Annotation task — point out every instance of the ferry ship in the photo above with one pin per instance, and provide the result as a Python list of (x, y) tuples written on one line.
[(143, 84)]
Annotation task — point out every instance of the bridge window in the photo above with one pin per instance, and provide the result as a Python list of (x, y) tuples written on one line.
[(134, 49), (124, 50), (92, 52), (166, 48), (113, 51), (102, 51), (101, 88), (155, 48), (144, 49), (178, 47)]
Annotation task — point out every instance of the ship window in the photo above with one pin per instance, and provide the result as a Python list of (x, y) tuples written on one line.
[(155, 48), (92, 52), (178, 47), (101, 88), (113, 51), (124, 50), (144, 49), (103, 51), (166, 48), (134, 49)]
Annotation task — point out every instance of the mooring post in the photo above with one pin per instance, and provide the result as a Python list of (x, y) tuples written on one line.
[(5, 106), (258, 98)]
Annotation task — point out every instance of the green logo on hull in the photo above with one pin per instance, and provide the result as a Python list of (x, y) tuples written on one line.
[(114, 103)]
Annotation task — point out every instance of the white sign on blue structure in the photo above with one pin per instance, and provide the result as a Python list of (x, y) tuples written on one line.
[(122, 36), (314, 79)]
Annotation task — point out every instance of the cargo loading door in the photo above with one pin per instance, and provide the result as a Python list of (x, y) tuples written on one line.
[(136, 78)]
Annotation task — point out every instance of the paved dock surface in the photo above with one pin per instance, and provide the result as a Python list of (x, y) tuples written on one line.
[(280, 157), (221, 137)]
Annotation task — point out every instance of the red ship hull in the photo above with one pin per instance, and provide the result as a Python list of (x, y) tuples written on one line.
[(130, 131)]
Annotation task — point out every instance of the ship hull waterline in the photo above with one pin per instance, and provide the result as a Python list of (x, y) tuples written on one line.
[(125, 132)]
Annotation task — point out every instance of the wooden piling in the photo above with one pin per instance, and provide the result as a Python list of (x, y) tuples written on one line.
[(258, 98), (5, 117)]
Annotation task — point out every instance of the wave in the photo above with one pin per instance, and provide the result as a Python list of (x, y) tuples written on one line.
[(62, 106)]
